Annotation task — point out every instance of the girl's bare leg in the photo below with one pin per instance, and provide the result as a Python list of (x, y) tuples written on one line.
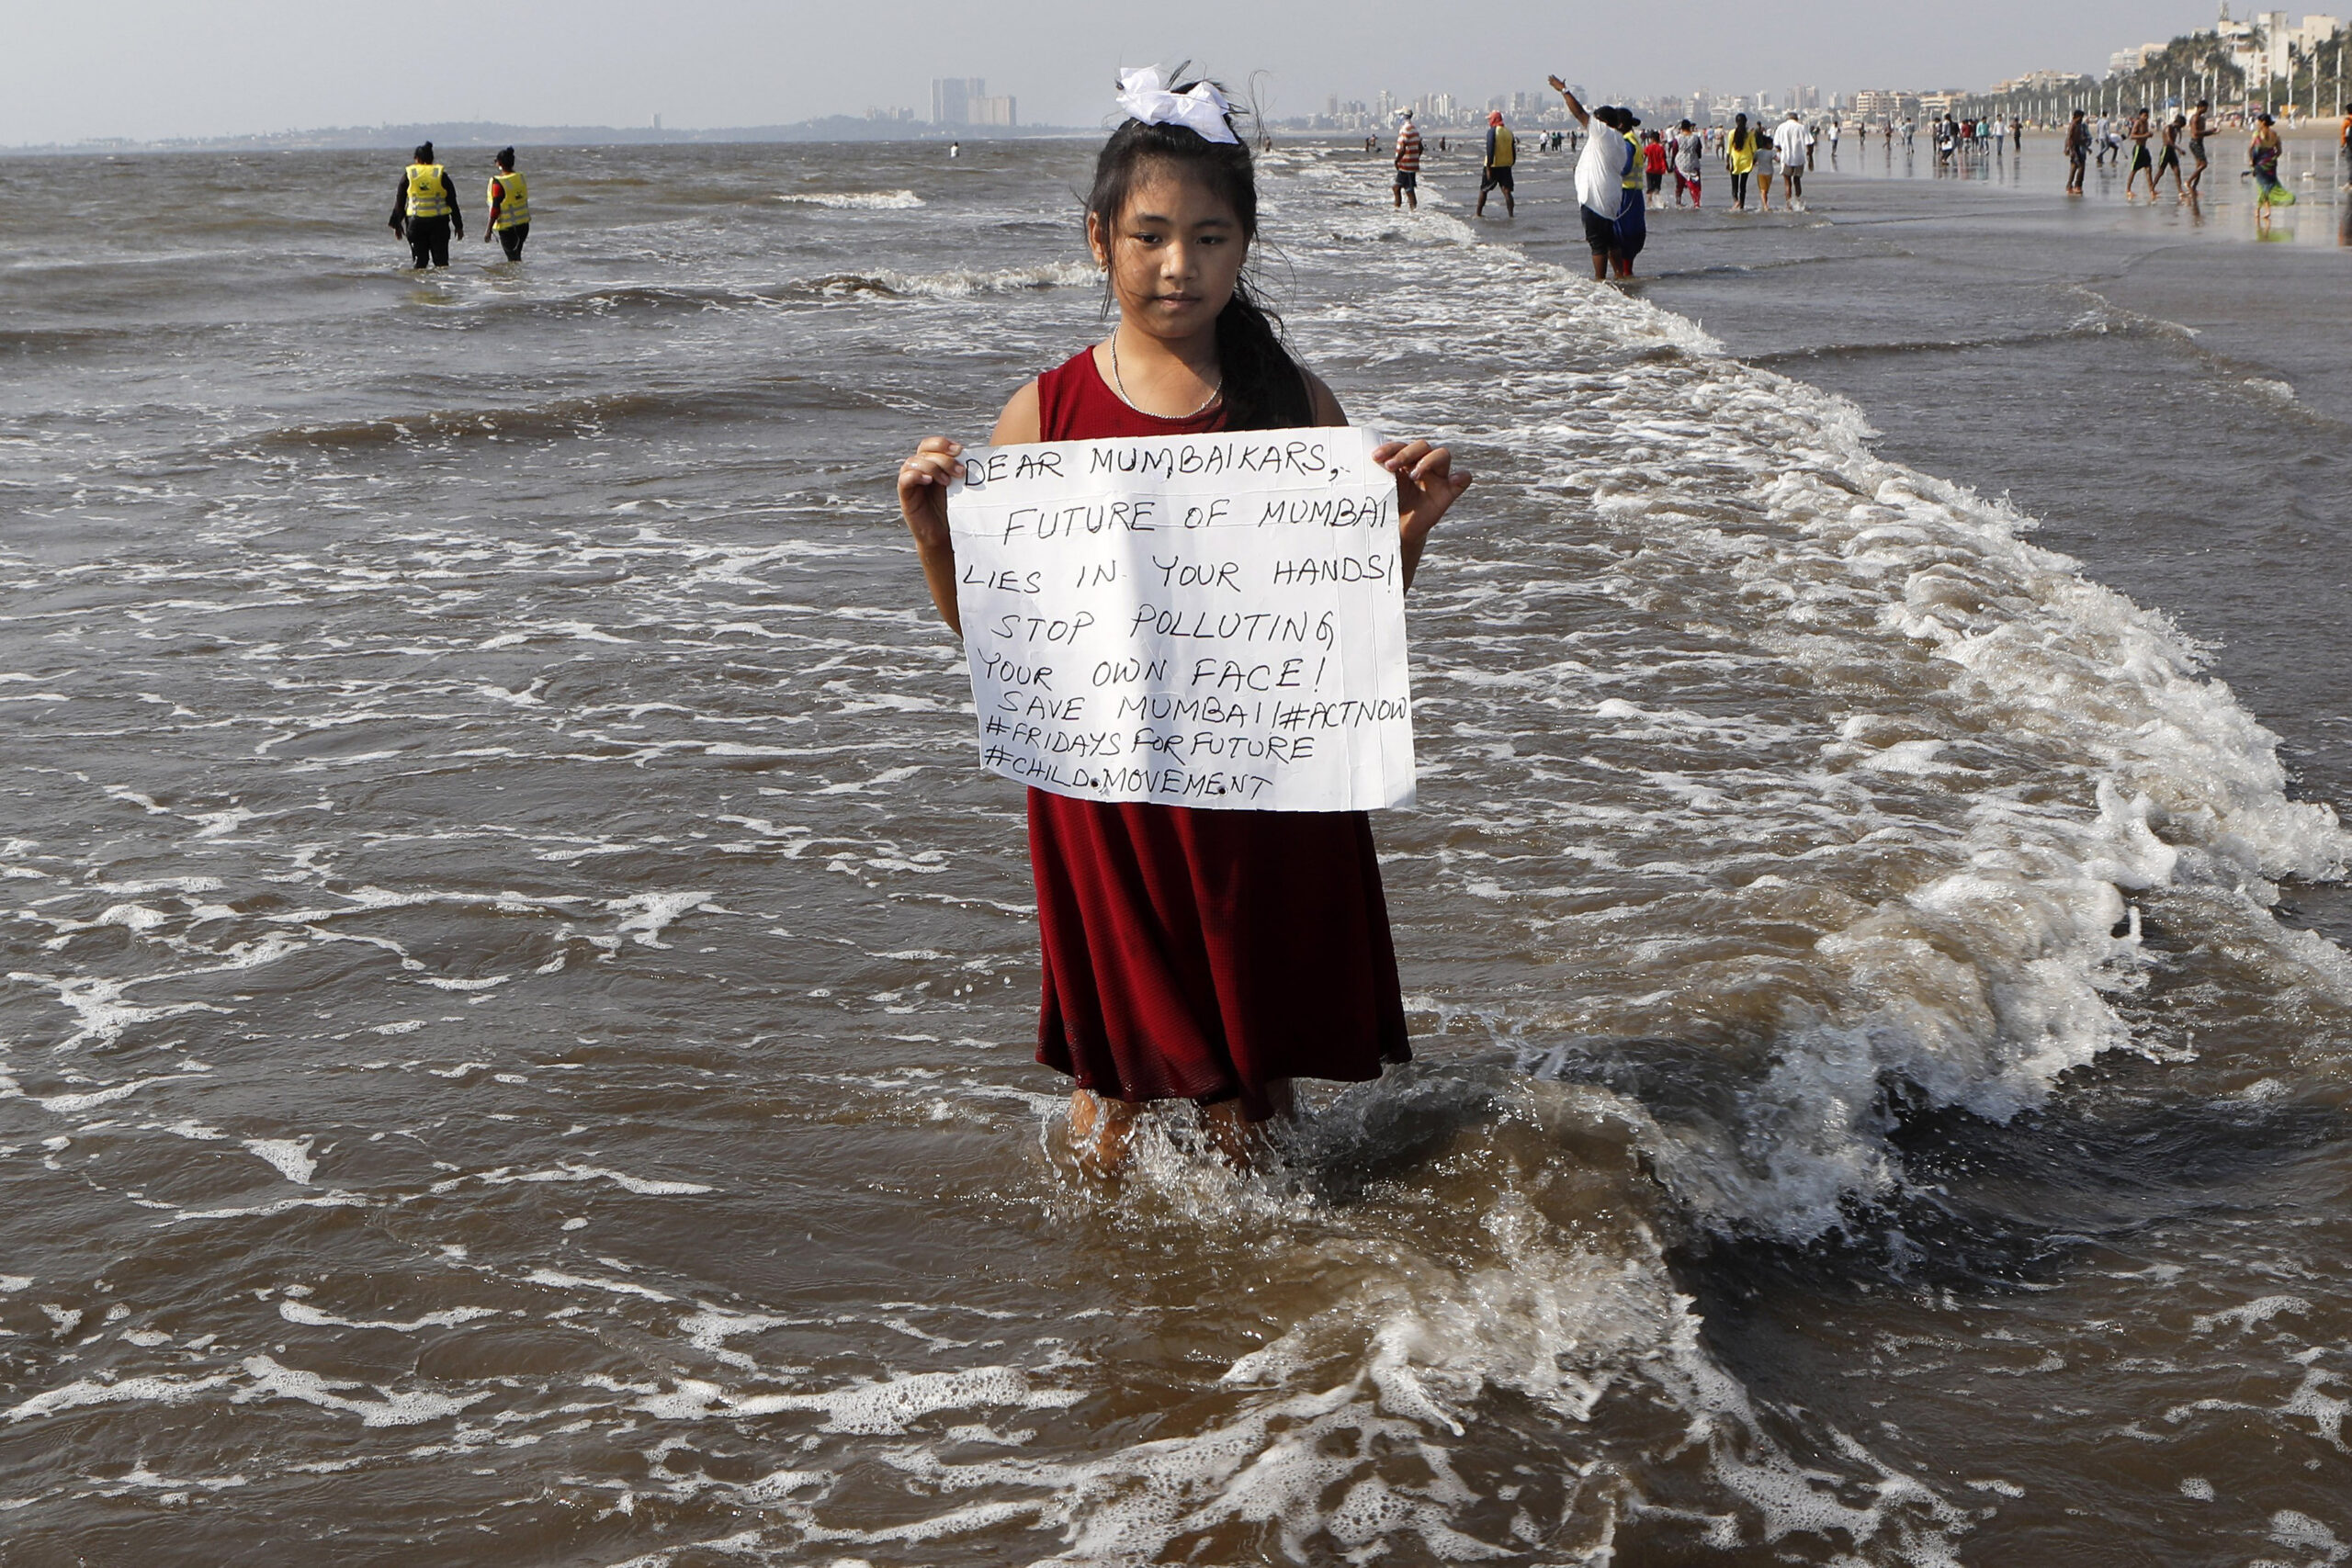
[(1100, 1131)]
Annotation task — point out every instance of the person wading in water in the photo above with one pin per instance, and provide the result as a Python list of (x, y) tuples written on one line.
[(1204, 954), (1502, 151), (425, 209), (509, 208), (1609, 194)]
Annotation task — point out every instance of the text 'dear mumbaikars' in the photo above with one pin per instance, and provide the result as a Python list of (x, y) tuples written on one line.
[(1198, 620)]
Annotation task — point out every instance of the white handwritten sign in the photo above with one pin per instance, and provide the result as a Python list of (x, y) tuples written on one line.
[(1198, 620)]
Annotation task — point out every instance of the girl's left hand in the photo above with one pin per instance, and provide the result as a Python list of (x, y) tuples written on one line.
[(1427, 483)]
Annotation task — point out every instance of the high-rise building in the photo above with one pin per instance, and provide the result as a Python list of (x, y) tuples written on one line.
[(950, 98), (988, 111), (1886, 103)]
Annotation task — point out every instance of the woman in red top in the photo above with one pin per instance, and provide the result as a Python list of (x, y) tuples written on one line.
[(1210, 955)]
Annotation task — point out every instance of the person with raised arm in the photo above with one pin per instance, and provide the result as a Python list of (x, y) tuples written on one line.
[(1210, 955), (1613, 227)]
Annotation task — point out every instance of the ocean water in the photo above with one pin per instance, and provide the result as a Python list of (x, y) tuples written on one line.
[(519, 996)]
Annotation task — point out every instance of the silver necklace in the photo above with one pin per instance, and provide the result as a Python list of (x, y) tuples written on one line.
[(1121, 388)]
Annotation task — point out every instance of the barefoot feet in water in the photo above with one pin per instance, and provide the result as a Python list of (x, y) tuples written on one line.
[(1101, 1130), (1238, 1141)]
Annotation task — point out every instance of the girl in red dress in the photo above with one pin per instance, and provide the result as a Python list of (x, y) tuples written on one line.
[(1209, 956)]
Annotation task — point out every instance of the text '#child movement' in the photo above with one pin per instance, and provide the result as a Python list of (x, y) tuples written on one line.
[(1196, 620)]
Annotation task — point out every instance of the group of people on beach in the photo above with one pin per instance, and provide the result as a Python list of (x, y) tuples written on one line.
[(1958, 140), (2093, 142), (1682, 153), (1622, 170)]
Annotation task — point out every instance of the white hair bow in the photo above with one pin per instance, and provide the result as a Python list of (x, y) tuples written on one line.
[(1144, 95)]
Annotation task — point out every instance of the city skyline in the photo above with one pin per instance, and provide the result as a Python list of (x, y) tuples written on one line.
[(145, 70)]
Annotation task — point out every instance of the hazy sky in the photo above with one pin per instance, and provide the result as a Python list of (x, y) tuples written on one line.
[(162, 68)]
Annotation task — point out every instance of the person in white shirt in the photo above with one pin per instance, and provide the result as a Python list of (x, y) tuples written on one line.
[(1614, 228), (1789, 142)]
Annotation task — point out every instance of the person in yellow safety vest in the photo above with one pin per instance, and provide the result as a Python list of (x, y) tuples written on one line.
[(510, 207), (1502, 151), (424, 209)]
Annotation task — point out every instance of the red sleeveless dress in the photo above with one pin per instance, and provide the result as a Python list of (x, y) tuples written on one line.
[(1202, 955)]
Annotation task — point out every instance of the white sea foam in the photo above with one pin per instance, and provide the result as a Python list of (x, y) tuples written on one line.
[(888, 200), (710, 1327), (311, 1317), (2250, 1315), (562, 1280), (270, 1377), (886, 1405), (84, 1392), (89, 1100), (645, 916), (264, 1211), (569, 1172), (291, 1157), (959, 283)]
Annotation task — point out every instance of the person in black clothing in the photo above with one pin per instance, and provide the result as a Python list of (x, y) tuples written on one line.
[(424, 209)]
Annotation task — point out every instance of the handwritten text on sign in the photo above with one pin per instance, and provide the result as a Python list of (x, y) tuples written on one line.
[(1198, 620)]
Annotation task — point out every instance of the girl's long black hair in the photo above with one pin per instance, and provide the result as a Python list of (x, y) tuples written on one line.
[(1264, 387)]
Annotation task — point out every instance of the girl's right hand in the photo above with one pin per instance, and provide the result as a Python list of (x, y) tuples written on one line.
[(923, 480)]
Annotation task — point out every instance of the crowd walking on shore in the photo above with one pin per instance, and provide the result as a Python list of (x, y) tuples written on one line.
[(1624, 171)]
